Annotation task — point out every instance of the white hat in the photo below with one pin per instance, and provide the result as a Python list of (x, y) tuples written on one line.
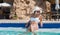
[(36, 9)]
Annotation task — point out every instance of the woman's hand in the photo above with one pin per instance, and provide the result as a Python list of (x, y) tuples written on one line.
[(41, 24), (25, 26)]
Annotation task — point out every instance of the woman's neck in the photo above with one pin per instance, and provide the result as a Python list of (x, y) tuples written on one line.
[(36, 15)]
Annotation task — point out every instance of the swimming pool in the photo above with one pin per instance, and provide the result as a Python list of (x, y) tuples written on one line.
[(23, 31), (49, 28)]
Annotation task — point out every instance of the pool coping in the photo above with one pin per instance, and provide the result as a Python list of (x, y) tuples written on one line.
[(24, 21)]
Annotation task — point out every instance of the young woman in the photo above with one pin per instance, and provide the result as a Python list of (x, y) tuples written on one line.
[(36, 17)]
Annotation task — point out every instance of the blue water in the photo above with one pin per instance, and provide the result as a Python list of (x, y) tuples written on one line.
[(17, 31), (23, 33)]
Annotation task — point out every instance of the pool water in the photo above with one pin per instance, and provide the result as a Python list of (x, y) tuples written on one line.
[(23, 31)]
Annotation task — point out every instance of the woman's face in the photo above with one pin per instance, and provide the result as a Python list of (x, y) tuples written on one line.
[(37, 12)]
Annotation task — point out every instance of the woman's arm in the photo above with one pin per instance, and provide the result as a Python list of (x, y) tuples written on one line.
[(27, 23), (41, 24)]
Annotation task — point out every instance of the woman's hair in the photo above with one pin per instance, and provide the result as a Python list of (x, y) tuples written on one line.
[(37, 9)]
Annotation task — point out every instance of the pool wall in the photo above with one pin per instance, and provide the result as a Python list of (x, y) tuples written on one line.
[(45, 25), (22, 23)]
